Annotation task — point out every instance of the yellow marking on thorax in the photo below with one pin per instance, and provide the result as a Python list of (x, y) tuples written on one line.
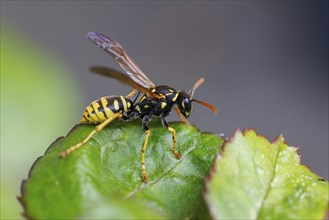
[(146, 106), (175, 97), (99, 114), (163, 105), (128, 104), (108, 111), (162, 96)]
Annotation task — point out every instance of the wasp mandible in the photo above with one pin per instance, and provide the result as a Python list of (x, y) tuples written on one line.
[(145, 101)]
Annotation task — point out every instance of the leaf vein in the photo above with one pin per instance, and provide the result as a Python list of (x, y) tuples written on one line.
[(269, 184)]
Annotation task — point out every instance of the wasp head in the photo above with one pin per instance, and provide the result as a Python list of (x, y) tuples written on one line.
[(185, 103), (185, 100)]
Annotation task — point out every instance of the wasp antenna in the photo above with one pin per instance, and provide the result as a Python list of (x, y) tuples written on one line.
[(196, 85), (206, 104)]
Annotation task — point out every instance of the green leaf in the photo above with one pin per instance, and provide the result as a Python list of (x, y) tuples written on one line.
[(108, 169), (254, 179), (119, 208)]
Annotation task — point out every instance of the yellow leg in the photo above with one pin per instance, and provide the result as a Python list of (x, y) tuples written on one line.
[(144, 174), (97, 128), (174, 149)]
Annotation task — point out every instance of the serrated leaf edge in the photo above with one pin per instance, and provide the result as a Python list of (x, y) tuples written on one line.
[(278, 139)]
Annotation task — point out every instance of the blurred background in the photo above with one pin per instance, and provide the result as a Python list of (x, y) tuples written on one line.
[(265, 65)]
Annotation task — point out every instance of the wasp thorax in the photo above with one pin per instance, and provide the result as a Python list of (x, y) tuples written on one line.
[(185, 103)]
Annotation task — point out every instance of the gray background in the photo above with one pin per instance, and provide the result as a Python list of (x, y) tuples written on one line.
[(265, 63)]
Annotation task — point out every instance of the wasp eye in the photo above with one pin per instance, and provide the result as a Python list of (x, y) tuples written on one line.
[(186, 106), (187, 102)]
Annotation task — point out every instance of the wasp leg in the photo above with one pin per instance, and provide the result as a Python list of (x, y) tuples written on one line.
[(181, 116), (147, 131), (173, 132), (144, 174), (97, 128)]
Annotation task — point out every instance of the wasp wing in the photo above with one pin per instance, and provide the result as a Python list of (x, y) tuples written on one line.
[(113, 73), (116, 51), (122, 78)]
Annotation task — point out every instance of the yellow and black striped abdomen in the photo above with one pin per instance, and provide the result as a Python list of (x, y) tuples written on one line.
[(104, 108)]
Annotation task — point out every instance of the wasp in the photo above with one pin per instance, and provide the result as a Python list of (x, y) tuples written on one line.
[(144, 102)]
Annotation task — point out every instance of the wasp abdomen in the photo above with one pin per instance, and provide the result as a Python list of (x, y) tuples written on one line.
[(100, 110)]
